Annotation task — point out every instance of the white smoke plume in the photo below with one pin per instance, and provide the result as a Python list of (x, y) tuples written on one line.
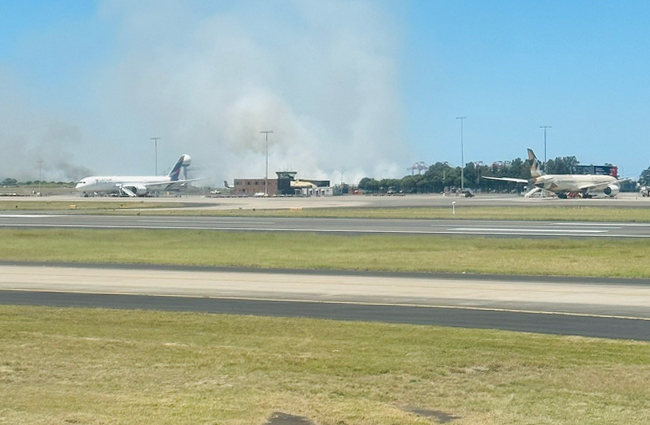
[(34, 142), (322, 75)]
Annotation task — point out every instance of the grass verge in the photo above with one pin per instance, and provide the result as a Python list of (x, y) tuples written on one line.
[(96, 366), (92, 206), (560, 257)]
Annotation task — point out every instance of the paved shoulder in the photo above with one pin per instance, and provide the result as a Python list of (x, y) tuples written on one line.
[(615, 309)]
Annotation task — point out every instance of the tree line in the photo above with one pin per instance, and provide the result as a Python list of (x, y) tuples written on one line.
[(442, 176), (9, 182)]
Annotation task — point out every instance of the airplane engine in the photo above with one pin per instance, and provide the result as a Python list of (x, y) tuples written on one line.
[(137, 190), (611, 190)]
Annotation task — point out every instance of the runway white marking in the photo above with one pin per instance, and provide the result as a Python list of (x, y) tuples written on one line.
[(609, 225), (523, 230), (457, 231), (26, 216), (145, 221)]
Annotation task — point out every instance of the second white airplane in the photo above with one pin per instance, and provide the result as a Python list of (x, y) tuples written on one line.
[(136, 185), (586, 185)]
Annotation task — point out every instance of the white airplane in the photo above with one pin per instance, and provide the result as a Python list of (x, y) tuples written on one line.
[(586, 185), (136, 185)]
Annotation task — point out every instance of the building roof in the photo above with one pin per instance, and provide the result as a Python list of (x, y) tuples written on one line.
[(301, 184)]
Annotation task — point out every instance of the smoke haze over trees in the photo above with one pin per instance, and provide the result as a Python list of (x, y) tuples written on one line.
[(350, 88), (206, 79), (441, 176)]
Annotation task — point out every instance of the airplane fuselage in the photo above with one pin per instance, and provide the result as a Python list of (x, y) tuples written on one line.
[(585, 185), (136, 185), (113, 183), (588, 184)]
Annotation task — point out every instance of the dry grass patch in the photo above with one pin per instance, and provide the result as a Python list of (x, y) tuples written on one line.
[(97, 366), (88, 206)]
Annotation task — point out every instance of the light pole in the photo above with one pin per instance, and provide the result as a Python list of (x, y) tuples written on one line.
[(266, 176), (462, 155), (545, 127), (155, 140), (40, 163)]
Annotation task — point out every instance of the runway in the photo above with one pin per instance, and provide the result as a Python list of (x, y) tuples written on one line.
[(586, 307), (335, 225), (596, 308)]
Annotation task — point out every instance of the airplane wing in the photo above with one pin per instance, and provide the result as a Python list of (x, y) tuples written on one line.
[(599, 185), (506, 179), (169, 185)]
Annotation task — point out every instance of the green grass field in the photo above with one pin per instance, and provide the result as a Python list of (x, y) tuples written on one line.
[(81, 366), (560, 257), (94, 366)]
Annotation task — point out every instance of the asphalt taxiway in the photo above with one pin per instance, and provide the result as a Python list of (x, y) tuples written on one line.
[(623, 200), (586, 307), (333, 225)]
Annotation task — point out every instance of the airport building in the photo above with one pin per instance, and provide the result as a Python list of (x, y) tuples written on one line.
[(285, 184), (253, 187), (604, 170)]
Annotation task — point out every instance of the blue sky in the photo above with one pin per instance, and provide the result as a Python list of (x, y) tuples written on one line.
[(579, 66), (363, 88)]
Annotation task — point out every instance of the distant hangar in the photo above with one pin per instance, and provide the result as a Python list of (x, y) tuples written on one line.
[(286, 184)]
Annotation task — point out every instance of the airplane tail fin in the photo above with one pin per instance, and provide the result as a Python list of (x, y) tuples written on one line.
[(183, 161), (534, 164)]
